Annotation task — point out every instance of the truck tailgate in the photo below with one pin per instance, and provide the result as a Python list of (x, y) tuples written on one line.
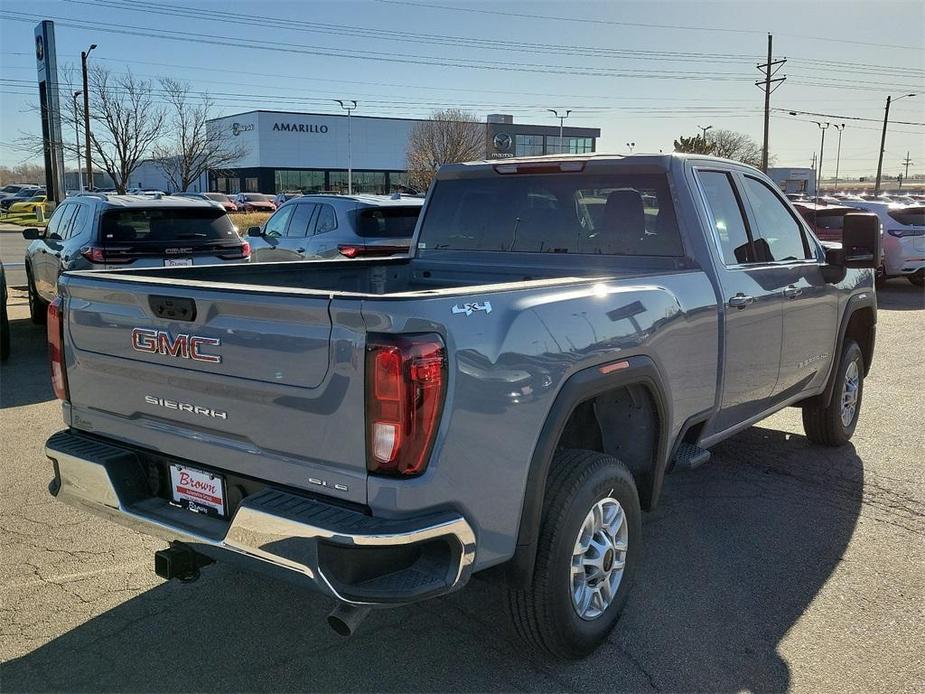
[(256, 383)]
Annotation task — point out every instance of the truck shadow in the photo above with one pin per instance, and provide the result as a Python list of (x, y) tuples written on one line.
[(734, 555), (24, 377), (900, 295)]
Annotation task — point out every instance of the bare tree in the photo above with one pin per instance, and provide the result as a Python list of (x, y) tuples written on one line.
[(25, 172), (127, 122), (449, 136), (191, 148), (722, 143)]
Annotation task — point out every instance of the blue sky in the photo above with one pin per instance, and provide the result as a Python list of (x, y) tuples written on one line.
[(643, 72)]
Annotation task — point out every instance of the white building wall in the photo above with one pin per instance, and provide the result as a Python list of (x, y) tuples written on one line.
[(306, 141)]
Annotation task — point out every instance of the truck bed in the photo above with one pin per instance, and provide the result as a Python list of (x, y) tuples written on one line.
[(466, 272)]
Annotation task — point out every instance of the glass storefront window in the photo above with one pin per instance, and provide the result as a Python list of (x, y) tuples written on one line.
[(289, 181), (572, 145), (363, 181), (250, 185), (525, 145)]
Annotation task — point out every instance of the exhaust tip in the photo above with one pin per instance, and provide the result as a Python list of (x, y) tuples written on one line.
[(345, 619)]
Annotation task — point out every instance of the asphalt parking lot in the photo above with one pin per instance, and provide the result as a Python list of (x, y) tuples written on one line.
[(777, 566)]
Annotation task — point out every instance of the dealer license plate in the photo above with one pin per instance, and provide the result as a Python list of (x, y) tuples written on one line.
[(197, 490), (178, 262)]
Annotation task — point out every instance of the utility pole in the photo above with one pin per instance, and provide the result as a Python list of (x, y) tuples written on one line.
[(80, 182), (907, 162), (839, 128), (886, 118), (348, 109), (561, 122), (704, 129), (823, 127), (770, 69), (83, 64)]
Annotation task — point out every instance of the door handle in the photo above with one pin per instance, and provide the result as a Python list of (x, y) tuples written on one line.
[(740, 301), (792, 292)]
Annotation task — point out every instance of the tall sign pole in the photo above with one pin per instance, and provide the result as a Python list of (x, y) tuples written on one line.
[(47, 65)]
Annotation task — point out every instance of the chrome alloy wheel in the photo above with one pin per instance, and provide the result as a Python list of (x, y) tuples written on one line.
[(849, 394), (599, 558)]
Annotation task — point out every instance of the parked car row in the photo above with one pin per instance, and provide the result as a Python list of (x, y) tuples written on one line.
[(902, 228), (23, 194)]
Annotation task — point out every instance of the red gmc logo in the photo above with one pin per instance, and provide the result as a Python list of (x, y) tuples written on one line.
[(182, 346)]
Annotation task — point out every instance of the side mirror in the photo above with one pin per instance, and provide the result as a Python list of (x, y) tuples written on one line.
[(254, 232), (861, 240), (31, 234)]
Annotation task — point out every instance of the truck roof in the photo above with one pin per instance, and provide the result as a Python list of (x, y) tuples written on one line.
[(659, 159)]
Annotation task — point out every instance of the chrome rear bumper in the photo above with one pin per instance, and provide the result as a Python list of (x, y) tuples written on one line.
[(292, 536)]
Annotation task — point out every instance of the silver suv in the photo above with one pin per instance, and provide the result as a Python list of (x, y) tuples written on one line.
[(337, 226), (96, 231)]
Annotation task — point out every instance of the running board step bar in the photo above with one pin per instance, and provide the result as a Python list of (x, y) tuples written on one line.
[(689, 456)]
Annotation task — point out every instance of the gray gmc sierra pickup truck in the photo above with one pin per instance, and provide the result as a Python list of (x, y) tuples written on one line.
[(567, 330)]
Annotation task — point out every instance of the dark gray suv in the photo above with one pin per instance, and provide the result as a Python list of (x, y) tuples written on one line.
[(337, 226), (97, 231)]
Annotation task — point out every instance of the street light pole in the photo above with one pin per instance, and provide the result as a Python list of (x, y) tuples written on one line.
[(83, 64), (823, 127), (631, 146), (561, 123), (80, 182), (344, 105), (886, 118), (704, 129), (839, 128)]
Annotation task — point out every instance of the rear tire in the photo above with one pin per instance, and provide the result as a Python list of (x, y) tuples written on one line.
[(38, 309), (834, 425), (918, 279), (578, 591)]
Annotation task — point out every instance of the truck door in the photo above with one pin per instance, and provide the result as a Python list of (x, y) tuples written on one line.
[(809, 303), (751, 290)]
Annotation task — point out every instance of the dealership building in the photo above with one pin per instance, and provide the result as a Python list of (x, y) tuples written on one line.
[(308, 152)]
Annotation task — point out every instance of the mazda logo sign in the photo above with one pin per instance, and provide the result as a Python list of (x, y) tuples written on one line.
[(502, 142)]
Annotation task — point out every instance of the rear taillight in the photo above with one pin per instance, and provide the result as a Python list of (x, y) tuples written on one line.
[(238, 253), (405, 387), (110, 255), (55, 326), (350, 250)]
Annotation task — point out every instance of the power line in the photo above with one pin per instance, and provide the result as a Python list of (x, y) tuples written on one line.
[(598, 20), (411, 59), (506, 45)]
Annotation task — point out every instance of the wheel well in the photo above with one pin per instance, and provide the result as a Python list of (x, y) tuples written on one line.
[(861, 330), (623, 422)]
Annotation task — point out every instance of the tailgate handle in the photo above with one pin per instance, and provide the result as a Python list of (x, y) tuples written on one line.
[(172, 307)]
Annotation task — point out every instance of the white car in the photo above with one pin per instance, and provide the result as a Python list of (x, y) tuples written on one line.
[(903, 234)]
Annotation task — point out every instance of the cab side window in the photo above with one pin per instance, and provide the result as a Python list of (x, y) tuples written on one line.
[(64, 225), (727, 217), (78, 223), (276, 225), (54, 223), (778, 233), (301, 220), (327, 221)]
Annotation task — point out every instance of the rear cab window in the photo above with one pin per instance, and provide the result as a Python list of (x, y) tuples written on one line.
[(594, 214), (166, 225), (387, 222)]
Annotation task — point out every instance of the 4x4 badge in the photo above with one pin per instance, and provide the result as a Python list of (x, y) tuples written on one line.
[(471, 308)]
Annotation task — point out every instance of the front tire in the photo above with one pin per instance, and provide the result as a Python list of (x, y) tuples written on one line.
[(588, 549), (834, 425), (38, 309), (4, 333), (918, 279)]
